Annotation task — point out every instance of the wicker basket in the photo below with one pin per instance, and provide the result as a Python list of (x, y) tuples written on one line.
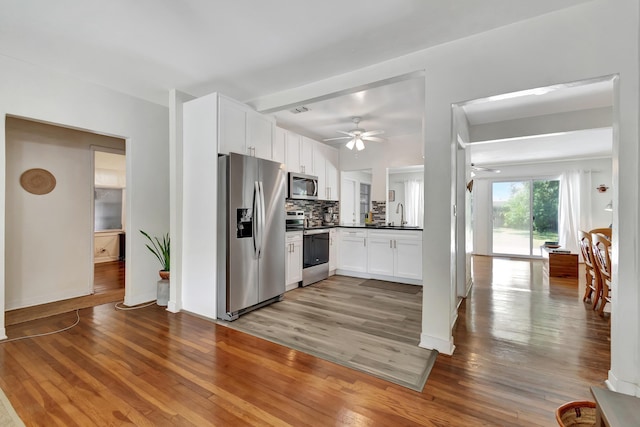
[(578, 413)]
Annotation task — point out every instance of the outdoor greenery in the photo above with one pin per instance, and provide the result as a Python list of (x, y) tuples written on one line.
[(515, 212)]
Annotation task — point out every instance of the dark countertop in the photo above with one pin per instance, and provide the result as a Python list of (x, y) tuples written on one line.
[(380, 227), (368, 227)]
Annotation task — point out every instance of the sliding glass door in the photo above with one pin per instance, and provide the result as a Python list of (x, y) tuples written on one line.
[(525, 215)]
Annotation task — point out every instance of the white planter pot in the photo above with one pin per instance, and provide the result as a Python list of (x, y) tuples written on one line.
[(163, 293)]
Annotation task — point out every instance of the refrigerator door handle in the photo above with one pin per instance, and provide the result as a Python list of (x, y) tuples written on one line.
[(261, 222), (256, 220)]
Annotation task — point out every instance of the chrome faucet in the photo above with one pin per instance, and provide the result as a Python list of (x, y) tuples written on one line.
[(401, 209)]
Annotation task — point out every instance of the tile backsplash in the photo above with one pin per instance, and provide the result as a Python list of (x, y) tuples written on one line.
[(314, 209), (379, 211)]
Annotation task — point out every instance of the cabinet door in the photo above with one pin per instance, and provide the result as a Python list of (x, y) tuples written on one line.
[(331, 173), (408, 257), (353, 251), (306, 156), (279, 145), (319, 170), (333, 250), (293, 152), (380, 255), (293, 262), (260, 135), (232, 125)]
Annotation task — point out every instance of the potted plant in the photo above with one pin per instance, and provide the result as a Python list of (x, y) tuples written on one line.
[(161, 249)]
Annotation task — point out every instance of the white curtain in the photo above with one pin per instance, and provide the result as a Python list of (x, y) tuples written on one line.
[(569, 223), (414, 201)]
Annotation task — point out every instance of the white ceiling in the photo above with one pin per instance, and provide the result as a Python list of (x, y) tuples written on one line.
[(242, 48), (534, 102), (583, 144), (250, 48), (396, 108)]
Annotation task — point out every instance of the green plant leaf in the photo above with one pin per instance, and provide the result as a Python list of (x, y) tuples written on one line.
[(160, 248)]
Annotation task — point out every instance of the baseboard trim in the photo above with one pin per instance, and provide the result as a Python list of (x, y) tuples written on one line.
[(365, 275), (172, 307), (139, 299), (440, 345), (616, 384)]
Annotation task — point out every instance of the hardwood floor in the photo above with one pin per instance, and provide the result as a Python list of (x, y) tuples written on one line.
[(108, 287), (524, 346)]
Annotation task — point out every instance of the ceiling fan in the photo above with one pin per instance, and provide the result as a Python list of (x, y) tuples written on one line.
[(357, 136), (483, 169)]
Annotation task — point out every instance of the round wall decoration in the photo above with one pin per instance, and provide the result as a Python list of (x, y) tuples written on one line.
[(38, 181)]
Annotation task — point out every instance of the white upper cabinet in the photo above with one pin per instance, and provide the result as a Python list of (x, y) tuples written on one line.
[(232, 127), (243, 130), (325, 166), (332, 156), (260, 131), (319, 169), (280, 145), (306, 155), (292, 151)]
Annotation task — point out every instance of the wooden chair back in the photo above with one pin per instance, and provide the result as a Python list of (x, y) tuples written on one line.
[(601, 247), (605, 231), (592, 288), (584, 241)]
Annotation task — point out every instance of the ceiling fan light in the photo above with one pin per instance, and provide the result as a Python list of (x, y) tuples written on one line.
[(351, 143), (359, 144)]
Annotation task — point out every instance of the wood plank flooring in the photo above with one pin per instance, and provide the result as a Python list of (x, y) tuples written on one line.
[(524, 346), (369, 325), (108, 287)]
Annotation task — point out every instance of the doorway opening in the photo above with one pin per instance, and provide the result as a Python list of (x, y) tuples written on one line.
[(525, 215), (50, 264), (109, 218)]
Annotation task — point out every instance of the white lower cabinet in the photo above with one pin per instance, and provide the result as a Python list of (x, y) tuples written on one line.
[(293, 260), (333, 251), (385, 254), (380, 254), (353, 250), (408, 255)]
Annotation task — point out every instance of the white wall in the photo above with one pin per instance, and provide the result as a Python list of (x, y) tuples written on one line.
[(597, 38), (31, 92), (176, 102), (398, 151), (592, 201)]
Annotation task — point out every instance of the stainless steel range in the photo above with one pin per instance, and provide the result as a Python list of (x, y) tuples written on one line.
[(315, 255)]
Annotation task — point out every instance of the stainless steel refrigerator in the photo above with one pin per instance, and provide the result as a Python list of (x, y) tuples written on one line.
[(251, 230)]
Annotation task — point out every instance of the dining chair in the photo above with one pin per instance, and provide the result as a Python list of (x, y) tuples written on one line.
[(606, 231), (593, 286), (601, 247)]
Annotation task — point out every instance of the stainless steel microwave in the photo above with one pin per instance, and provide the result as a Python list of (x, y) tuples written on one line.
[(303, 186)]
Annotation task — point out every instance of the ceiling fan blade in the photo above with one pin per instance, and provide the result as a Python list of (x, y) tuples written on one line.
[(483, 169), (337, 137), (373, 138), (372, 132), (346, 133)]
